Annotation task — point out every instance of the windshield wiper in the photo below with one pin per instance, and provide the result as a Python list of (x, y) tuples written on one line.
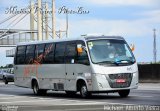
[(106, 62), (124, 61), (116, 62)]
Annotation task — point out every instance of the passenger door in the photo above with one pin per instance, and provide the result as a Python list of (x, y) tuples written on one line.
[(70, 59)]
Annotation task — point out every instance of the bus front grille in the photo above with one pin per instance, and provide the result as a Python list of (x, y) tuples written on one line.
[(112, 79)]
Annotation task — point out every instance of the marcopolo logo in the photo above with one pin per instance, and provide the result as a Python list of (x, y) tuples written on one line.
[(129, 68)]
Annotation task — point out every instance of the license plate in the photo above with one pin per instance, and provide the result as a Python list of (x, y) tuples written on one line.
[(120, 80)]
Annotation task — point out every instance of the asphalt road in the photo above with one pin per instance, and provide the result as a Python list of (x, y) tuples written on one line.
[(13, 98)]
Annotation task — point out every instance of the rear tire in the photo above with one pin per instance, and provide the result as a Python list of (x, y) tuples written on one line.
[(84, 91), (38, 91), (124, 93)]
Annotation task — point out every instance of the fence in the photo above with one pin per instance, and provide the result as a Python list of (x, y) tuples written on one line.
[(149, 73)]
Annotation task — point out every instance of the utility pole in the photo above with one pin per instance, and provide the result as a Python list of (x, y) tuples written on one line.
[(154, 46), (53, 20), (46, 21), (32, 19), (67, 25), (39, 21)]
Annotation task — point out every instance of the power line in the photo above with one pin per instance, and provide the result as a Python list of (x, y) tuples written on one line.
[(8, 18), (20, 20), (14, 20)]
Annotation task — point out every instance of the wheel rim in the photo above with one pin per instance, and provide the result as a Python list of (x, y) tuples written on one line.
[(35, 88), (84, 91)]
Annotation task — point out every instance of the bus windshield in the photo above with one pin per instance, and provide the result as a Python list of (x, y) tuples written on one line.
[(110, 51)]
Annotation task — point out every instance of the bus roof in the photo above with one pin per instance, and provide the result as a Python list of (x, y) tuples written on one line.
[(84, 38), (103, 37)]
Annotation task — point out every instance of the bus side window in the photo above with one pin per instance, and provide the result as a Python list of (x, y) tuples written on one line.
[(30, 54), (71, 52), (49, 53), (59, 53), (83, 57), (20, 55), (39, 53)]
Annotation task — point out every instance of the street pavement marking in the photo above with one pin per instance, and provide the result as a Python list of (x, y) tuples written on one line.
[(2, 97), (10, 97), (84, 102), (73, 102), (37, 99), (57, 102), (64, 104), (41, 98), (142, 96), (85, 109)]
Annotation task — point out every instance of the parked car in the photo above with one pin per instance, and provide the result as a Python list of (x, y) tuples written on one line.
[(8, 75), (1, 74)]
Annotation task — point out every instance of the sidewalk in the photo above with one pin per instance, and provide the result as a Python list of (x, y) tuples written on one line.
[(149, 86), (2, 83), (149, 81)]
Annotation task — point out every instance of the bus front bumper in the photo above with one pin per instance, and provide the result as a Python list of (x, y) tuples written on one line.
[(102, 83)]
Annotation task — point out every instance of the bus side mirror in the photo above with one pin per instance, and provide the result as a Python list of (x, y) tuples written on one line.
[(79, 48), (132, 47)]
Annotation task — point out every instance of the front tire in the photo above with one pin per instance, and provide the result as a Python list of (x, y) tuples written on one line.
[(124, 93), (38, 91), (84, 91)]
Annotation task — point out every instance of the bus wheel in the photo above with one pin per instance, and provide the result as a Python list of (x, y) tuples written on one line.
[(35, 87), (124, 93), (84, 91), (38, 91)]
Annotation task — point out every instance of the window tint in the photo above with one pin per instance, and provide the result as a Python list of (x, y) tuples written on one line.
[(20, 56), (59, 53), (39, 53), (49, 53), (30, 54), (83, 57), (71, 52)]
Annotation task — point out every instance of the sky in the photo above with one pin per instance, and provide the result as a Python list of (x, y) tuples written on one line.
[(132, 19)]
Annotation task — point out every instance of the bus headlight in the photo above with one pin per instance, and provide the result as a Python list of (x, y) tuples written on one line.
[(87, 75)]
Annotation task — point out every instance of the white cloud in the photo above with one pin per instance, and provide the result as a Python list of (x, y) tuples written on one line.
[(153, 14), (141, 30), (137, 27), (125, 2), (110, 27)]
